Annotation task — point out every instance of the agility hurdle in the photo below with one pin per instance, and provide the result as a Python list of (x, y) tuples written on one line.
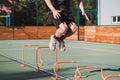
[(58, 63), (39, 47), (79, 75), (41, 59), (23, 49)]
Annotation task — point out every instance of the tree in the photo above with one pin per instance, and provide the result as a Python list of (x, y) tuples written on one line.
[(29, 12), (35, 12)]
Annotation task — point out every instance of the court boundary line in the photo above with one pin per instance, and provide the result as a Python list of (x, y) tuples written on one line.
[(30, 65)]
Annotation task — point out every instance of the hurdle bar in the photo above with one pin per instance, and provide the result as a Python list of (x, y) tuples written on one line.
[(90, 67)]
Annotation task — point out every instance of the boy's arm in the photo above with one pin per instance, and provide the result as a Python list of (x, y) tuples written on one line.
[(51, 7), (81, 6)]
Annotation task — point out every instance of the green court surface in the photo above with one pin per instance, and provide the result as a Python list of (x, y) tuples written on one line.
[(85, 53)]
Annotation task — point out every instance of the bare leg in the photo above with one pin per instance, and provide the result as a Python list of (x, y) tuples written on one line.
[(54, 38), (61, 30), (72, 29)]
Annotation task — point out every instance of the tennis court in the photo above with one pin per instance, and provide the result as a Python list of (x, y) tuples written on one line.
[(85, 54)]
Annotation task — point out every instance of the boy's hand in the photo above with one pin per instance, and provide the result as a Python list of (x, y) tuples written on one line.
[(56, 14)]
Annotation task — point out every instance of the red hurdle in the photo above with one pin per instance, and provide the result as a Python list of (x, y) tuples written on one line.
[(39, 47), (23, 48), (41, 60), (90, 67), (57, 64)]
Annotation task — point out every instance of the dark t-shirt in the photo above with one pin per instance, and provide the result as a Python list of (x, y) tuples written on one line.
[(62, 5)]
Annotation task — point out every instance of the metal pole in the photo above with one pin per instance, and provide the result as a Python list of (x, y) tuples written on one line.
[(97, 12), (13, 10), (36, 12), (78, 23)]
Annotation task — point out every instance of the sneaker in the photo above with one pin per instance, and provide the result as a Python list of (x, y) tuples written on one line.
[(62, 46), (52, 44)]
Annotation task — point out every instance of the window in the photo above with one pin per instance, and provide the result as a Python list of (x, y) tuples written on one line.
[(116, 19)]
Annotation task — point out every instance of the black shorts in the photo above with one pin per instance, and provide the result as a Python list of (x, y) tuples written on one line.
[(64, 17)]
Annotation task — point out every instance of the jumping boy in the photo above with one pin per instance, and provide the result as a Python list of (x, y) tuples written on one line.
[(63, 21)]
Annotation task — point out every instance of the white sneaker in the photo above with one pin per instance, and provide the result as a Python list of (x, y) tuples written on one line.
[(62, 46), (52, 44)]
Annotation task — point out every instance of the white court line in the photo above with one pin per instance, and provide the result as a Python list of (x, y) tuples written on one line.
[(30, 65)]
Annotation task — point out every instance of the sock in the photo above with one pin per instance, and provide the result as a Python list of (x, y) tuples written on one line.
[(57, 38), (62, 38)]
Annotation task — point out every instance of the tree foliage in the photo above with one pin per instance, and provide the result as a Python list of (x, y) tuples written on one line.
[(35, 12)]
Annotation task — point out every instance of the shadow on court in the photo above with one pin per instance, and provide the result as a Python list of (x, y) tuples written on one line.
[(11, 70)]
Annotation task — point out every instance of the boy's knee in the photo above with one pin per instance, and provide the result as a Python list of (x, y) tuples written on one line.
[(73, 27), (63, 27)]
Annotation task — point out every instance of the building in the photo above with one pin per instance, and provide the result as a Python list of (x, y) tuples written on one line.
[(108, 12)]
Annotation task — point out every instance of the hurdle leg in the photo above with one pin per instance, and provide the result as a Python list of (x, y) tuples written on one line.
[(90, 67), (23, 62)]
